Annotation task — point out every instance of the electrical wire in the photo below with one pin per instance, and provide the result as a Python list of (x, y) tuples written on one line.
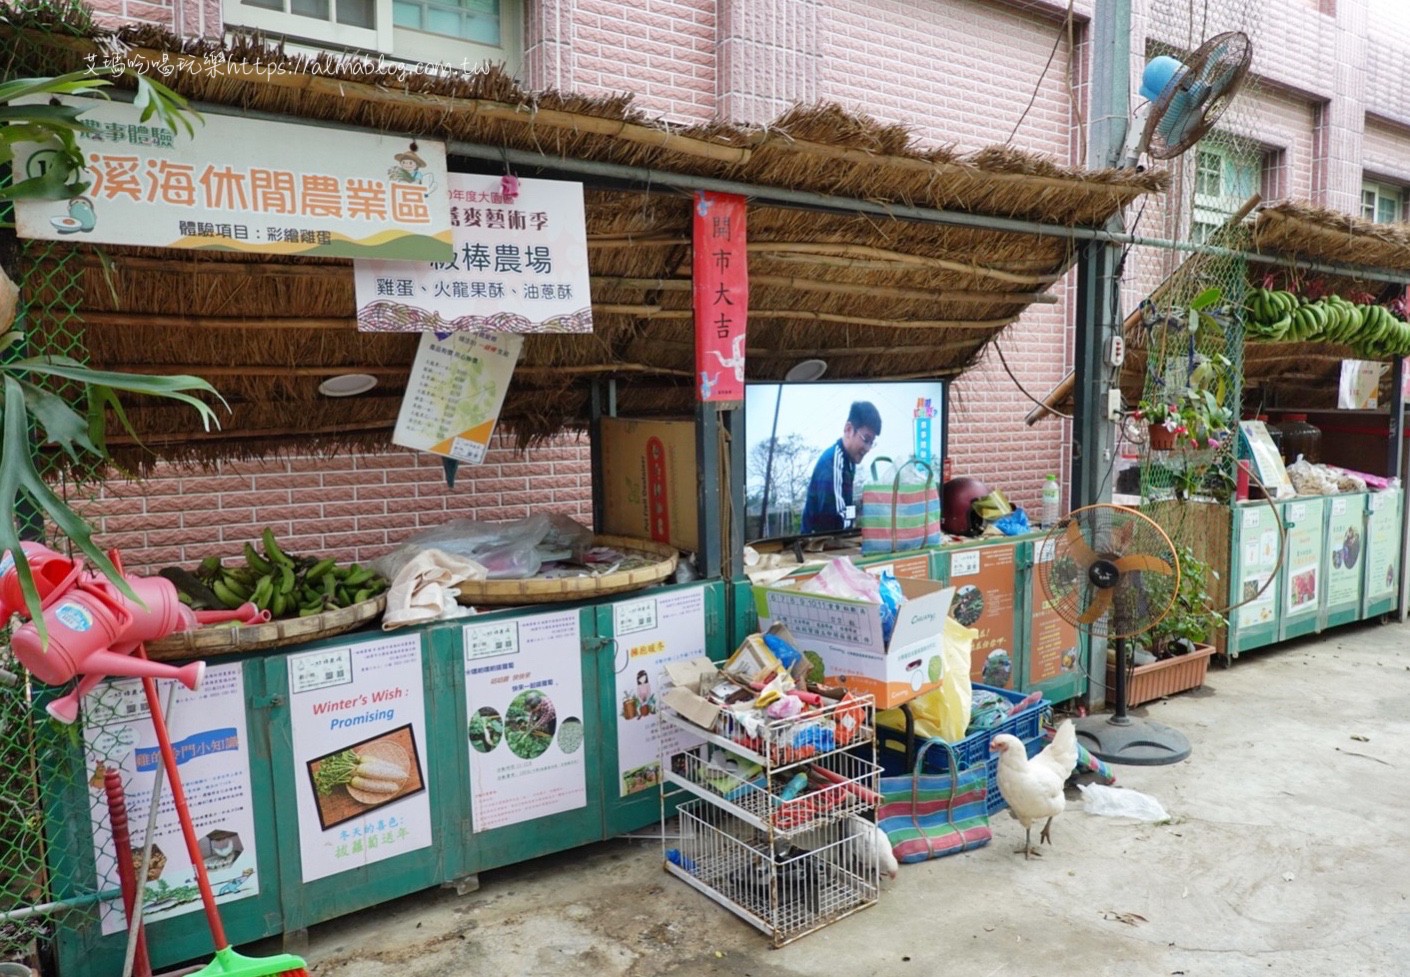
[(1057, 42), (1021, 389)]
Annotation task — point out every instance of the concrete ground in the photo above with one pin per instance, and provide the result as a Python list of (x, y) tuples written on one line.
[(1287, 854)]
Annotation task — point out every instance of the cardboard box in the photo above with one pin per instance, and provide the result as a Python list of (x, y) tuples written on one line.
[(690, 681), (846, 635), (649, 482)]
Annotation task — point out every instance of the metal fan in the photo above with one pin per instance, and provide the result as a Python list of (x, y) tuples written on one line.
[(1185, 98), (1114, 573)]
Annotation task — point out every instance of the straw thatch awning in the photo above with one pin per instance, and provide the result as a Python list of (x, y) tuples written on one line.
[(876, 297)]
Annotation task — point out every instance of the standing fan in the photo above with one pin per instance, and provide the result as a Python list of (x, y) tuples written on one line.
[(1114, 574), (1185, 98)]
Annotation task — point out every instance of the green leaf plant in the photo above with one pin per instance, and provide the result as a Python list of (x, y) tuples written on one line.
[(33, 417)]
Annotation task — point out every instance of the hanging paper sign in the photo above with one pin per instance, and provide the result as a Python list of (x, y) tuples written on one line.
[(1360, 384), (244, 185), (721, 275), (519, 265), (456, 389)]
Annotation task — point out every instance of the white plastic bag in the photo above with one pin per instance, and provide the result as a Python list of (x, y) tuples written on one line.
[(1121, 802)]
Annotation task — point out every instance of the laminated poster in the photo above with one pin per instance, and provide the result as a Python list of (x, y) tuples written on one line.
[(524, 697), (1258, 599), (457, 387), (1345, 546), (1382, 544), (1053, 646), (211, 742), (358, 718), (984, 579), (1304, 558), (651, 632)]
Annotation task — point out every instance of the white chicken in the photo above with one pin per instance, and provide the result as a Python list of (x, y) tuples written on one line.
[(1033, 788)]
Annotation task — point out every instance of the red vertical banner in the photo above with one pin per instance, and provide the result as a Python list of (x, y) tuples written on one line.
[(721, 275)]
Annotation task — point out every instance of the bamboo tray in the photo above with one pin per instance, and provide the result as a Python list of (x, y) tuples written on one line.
[(546, 590), (220, 639)]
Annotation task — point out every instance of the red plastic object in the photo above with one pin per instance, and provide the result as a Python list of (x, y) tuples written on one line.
[(53, 573), (127, 874)]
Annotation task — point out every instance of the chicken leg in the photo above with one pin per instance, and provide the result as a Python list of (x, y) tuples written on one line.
[(1043, 836), (1028, 848)]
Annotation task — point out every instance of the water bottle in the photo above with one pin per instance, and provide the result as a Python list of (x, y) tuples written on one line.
[(1052, 499)]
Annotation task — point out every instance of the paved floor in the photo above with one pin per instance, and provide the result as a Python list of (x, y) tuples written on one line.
[(1287, 855)]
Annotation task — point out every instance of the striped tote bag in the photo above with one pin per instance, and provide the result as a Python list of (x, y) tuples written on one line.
[(929, 815)]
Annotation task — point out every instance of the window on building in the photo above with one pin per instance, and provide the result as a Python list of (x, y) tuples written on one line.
[(1225, 177), (460, 33), (1382, 203)]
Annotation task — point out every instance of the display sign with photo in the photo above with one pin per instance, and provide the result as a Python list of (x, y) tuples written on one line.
[(210, 739), (524, 697), (358, 717)]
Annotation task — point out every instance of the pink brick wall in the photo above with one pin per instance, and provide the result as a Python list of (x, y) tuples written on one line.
[(352, 506), (958, 72)]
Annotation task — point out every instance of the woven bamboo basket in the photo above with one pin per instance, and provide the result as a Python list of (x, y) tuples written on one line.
[(540, 590), (220, 639)]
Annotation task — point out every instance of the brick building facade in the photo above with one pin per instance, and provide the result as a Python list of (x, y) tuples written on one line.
[(1328, 122)]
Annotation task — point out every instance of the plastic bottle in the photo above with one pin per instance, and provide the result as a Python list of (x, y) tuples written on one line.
[(1052, 500)]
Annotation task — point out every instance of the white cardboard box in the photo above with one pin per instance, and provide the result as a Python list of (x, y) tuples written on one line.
[(846, 634)]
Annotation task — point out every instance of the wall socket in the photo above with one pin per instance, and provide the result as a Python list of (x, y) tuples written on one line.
[(1113, 405)]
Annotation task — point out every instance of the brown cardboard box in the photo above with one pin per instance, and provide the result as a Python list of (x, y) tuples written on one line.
[(649, 481)]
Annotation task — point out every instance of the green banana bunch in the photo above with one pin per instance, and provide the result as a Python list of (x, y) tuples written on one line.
[(282, 583)]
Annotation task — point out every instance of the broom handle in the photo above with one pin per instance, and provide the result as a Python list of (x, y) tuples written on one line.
[(134, 925), (178, 795), (188, 830)]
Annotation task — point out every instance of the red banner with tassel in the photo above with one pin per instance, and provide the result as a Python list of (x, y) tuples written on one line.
[(721, 275)]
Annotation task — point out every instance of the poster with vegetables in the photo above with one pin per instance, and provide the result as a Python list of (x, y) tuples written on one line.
[(1053, 646), (1345, 525), (211, 742), (651, 632), (1304, 557), (358, 717), (983, 579), (1259, 559), (524, 697)]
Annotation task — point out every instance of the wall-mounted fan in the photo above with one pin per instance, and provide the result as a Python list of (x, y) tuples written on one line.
[(1114, 574), (1185, 98)]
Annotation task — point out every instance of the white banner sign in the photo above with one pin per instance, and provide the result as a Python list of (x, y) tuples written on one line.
[(520, 265), (245, 185), (457, 387), (211, 743), (358, 716), (524, 696)]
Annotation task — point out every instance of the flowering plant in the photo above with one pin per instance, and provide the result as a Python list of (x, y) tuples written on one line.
[(1193, 414)]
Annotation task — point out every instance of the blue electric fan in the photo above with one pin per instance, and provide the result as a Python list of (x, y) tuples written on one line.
[(1185, 98)]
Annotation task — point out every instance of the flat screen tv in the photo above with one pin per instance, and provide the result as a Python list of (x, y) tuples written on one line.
[(803, 442)]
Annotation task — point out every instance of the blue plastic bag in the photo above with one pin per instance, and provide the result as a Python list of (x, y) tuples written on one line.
[(1013, 524), (891, 600)]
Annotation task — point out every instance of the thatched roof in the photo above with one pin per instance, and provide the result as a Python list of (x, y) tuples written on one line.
[(876, 297), (1291, 227)]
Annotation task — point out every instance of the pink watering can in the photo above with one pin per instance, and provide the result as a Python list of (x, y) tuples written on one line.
[(94, 629)]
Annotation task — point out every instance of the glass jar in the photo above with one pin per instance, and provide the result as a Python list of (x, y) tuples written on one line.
[(1300, 438)]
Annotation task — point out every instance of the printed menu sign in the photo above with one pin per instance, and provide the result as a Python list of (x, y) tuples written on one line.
[(524, 697), (456, 390), (243, 185), (983, 578), (211, 742), (358, 717), (1053, 646), (651, 632), (519, 265)]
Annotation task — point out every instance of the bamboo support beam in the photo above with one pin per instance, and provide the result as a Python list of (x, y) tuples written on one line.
[(844, 288), (207, 370), (256, 434)]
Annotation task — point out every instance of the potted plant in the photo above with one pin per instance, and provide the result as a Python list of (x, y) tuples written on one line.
[(1193, 416), (1179, 641)]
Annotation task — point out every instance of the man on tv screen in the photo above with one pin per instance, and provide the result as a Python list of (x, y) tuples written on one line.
[(829, 506)]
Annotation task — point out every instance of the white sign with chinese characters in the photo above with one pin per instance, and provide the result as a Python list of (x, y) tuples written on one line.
[(358, 718), (244, 185), (456, 389), (210, 740), (524, 696), (652, 632), (520, 265)]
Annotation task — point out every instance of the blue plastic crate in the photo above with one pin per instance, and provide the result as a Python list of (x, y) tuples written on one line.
[(974, 748)]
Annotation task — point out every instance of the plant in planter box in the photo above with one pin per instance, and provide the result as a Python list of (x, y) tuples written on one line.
[(1195, 415), (1191, 619)]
